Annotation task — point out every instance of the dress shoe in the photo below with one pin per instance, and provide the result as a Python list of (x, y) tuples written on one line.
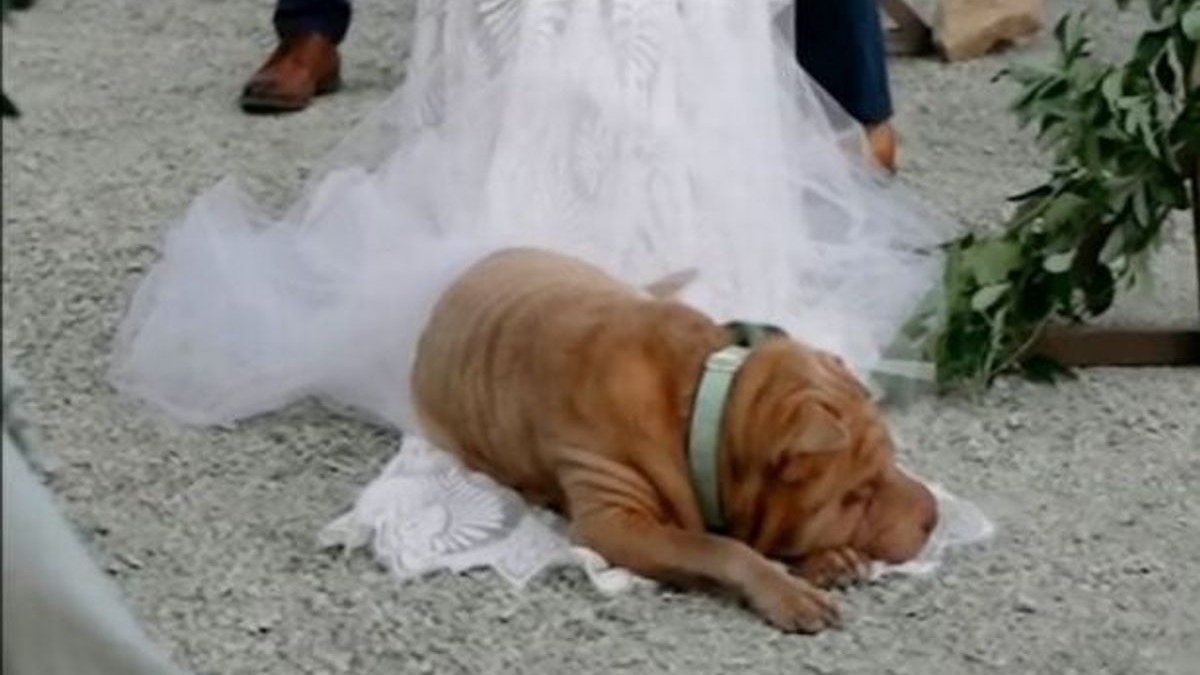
[(303, 66)]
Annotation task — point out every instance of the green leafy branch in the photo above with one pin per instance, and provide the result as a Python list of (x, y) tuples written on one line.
[(1124, 141)]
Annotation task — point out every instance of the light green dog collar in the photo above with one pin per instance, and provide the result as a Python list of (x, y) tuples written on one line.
[(704, 437), (708, 409)]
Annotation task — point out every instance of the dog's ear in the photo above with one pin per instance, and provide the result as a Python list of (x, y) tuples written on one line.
[(668, 287), (817, 429), (814, 429)]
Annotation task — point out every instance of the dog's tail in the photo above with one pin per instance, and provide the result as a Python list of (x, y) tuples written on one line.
[(671, 285)]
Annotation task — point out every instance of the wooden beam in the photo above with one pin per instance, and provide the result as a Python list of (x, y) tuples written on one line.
[(1092, 346)]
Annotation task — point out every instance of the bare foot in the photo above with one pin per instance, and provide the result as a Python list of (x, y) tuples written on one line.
[(882, 141)]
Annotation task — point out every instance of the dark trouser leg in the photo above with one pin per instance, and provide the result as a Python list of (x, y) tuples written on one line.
[(330, 18), (841, 44)]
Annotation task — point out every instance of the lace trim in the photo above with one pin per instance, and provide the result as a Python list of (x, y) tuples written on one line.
[(427, 513)]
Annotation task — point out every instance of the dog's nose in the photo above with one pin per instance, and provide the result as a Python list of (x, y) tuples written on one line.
[(929, 523)]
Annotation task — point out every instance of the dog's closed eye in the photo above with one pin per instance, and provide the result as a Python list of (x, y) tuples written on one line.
[(857, 496)]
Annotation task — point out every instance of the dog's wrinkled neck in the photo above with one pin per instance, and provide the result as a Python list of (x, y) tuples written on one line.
[(706, 435), (764, 415)]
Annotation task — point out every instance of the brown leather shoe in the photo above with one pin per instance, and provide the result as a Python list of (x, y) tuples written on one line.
[(881, 139), (304, 65)]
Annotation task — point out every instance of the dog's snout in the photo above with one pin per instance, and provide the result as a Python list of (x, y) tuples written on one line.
[(930, 522), (928, 510)]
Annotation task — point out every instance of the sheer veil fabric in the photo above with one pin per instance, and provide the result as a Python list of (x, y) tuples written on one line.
[(645, 136)]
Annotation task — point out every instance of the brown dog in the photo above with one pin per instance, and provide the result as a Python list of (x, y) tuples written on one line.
[(574, 389)]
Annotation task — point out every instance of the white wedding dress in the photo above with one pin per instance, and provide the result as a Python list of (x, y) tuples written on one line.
[(645, 136)]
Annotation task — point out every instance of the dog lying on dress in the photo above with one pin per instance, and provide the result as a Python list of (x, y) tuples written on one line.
[(581, 393)]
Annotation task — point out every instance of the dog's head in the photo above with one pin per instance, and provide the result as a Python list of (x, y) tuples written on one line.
[(809, 464)]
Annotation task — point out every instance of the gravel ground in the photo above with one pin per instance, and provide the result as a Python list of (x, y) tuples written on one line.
[(129, 112)]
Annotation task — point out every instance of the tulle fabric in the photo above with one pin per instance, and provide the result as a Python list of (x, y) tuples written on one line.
[(647, 137)]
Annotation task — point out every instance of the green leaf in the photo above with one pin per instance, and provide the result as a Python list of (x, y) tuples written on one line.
[(1059, 262), (1065, 209), (987, 296), (991, 261), (1141, 208), (1073, 42), (1113, 88), (1190, 23), (1113, 248)]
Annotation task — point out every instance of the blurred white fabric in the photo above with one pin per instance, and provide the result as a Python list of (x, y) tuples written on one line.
[(62, 616), (645, 136)]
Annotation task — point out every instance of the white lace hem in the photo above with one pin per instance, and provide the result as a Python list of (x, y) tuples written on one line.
[(426, 513)]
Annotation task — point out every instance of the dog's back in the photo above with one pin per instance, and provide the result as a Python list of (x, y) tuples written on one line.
[(511, 364)]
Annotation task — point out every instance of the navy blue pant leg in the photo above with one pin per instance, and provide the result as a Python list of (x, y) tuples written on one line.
[(330, 18), (841, 44)]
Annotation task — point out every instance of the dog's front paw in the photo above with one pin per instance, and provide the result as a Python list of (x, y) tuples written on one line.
[(834, 568), (795, 606)]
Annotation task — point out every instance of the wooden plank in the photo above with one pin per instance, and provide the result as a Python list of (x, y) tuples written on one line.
[(1092, 346)]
